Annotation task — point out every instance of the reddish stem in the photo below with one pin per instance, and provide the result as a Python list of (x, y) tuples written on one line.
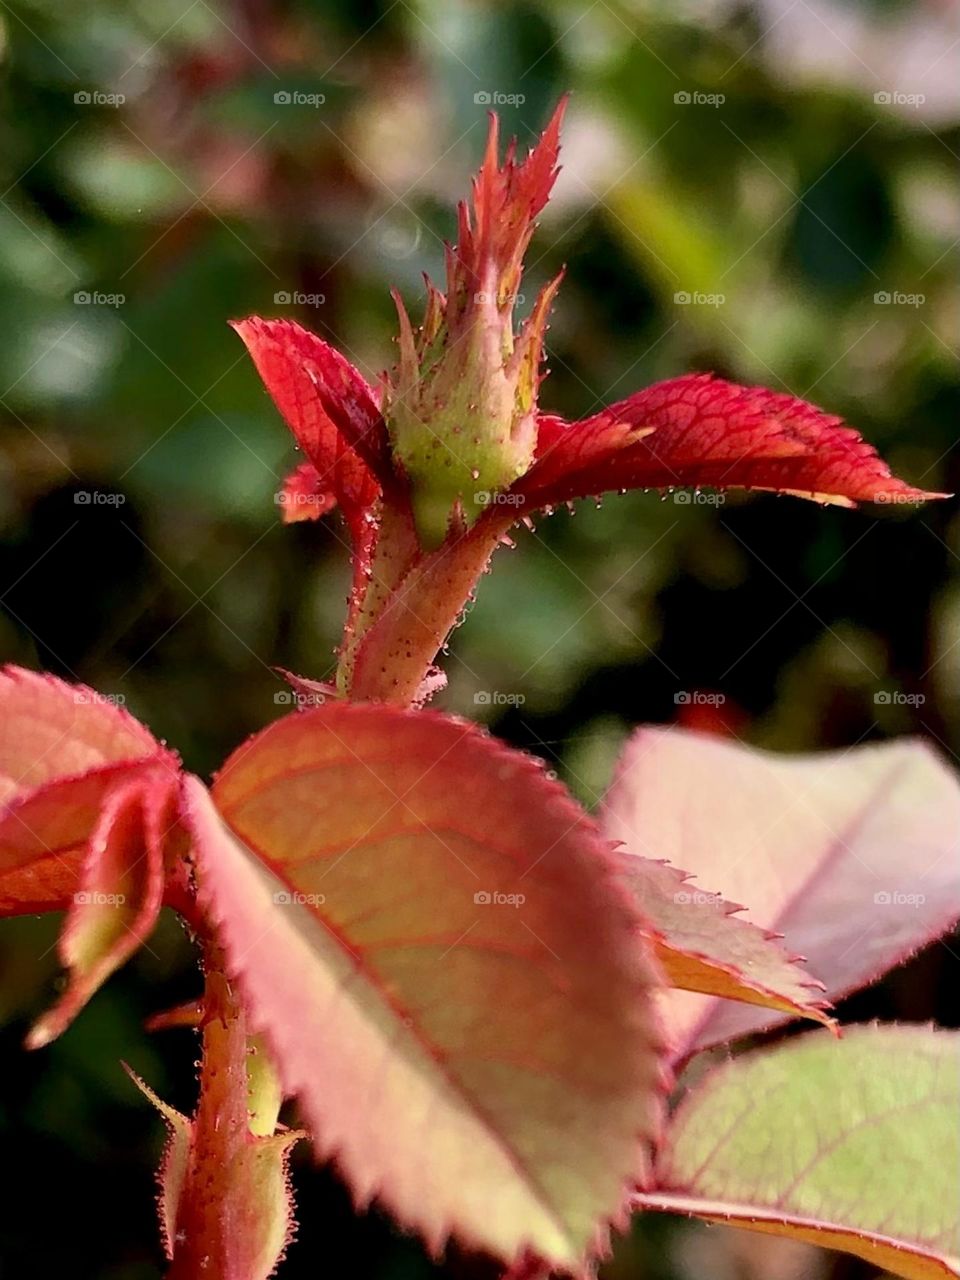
[(396, 652), (220, 1129)]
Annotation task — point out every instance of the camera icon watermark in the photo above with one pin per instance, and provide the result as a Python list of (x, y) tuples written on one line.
[(897, 298), (92, 698), (494, 98), (98, 498), (94, 298), (896, 499), (696, 897), (698, 698), (501, 300), (698, 498), (299, 699), (97, 98), (294, 298), (493, 898), (295, 98), (287, 498), (896, 898), (894, 98), (695, 98), (897, 698), (494, 698), (685, 298), (491, 498)]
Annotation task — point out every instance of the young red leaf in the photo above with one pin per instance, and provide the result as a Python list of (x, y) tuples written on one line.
[(51, 730), (851, 855), (306, 495), (62, 748), (325, 402), (850, 1144), (336, 420), (121, 892), (429, 934), (706, 431), (701, 945)]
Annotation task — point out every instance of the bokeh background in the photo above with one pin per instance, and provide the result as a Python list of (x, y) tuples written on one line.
[(764, 189)]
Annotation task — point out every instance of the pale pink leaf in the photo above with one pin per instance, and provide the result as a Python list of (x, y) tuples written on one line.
[(851, 855)]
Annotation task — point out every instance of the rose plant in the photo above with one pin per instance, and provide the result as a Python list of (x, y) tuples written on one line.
[(498, 1014)]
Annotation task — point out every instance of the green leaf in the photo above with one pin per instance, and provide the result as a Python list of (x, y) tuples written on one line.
[(850, 1144)]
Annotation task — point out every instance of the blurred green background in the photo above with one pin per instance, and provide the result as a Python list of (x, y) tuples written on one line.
[(764, 189)]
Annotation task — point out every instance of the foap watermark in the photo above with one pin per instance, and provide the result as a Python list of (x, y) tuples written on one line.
[(897, 499), (897, 698), (91, 698), (896, 898), (94, 298), (98, 498), (683, 298), (894, 98), (496, 98), (294, 98), (897, 298), (494, 698), (491, 498), (97, 98), (288, 498), (93, 898), (298, 698), (494, 898), (698, 698), (695, 98), (697, 898), (292, 898), (698, 498), (499, 299), (294, 298)]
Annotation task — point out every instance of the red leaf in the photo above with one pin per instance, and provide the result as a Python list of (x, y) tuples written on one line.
[(54, 730), (120, 894), (336, 420), (62, 748), (327, 405), (486, 1066), (709, 432), (305, 495), (850, 855), (42, 838)]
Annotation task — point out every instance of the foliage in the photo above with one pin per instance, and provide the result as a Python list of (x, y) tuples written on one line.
[(487, 1062), (102, 401)]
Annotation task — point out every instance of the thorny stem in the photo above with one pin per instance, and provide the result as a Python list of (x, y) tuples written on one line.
[(220, 1127), (409, 616), (399, 647)]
